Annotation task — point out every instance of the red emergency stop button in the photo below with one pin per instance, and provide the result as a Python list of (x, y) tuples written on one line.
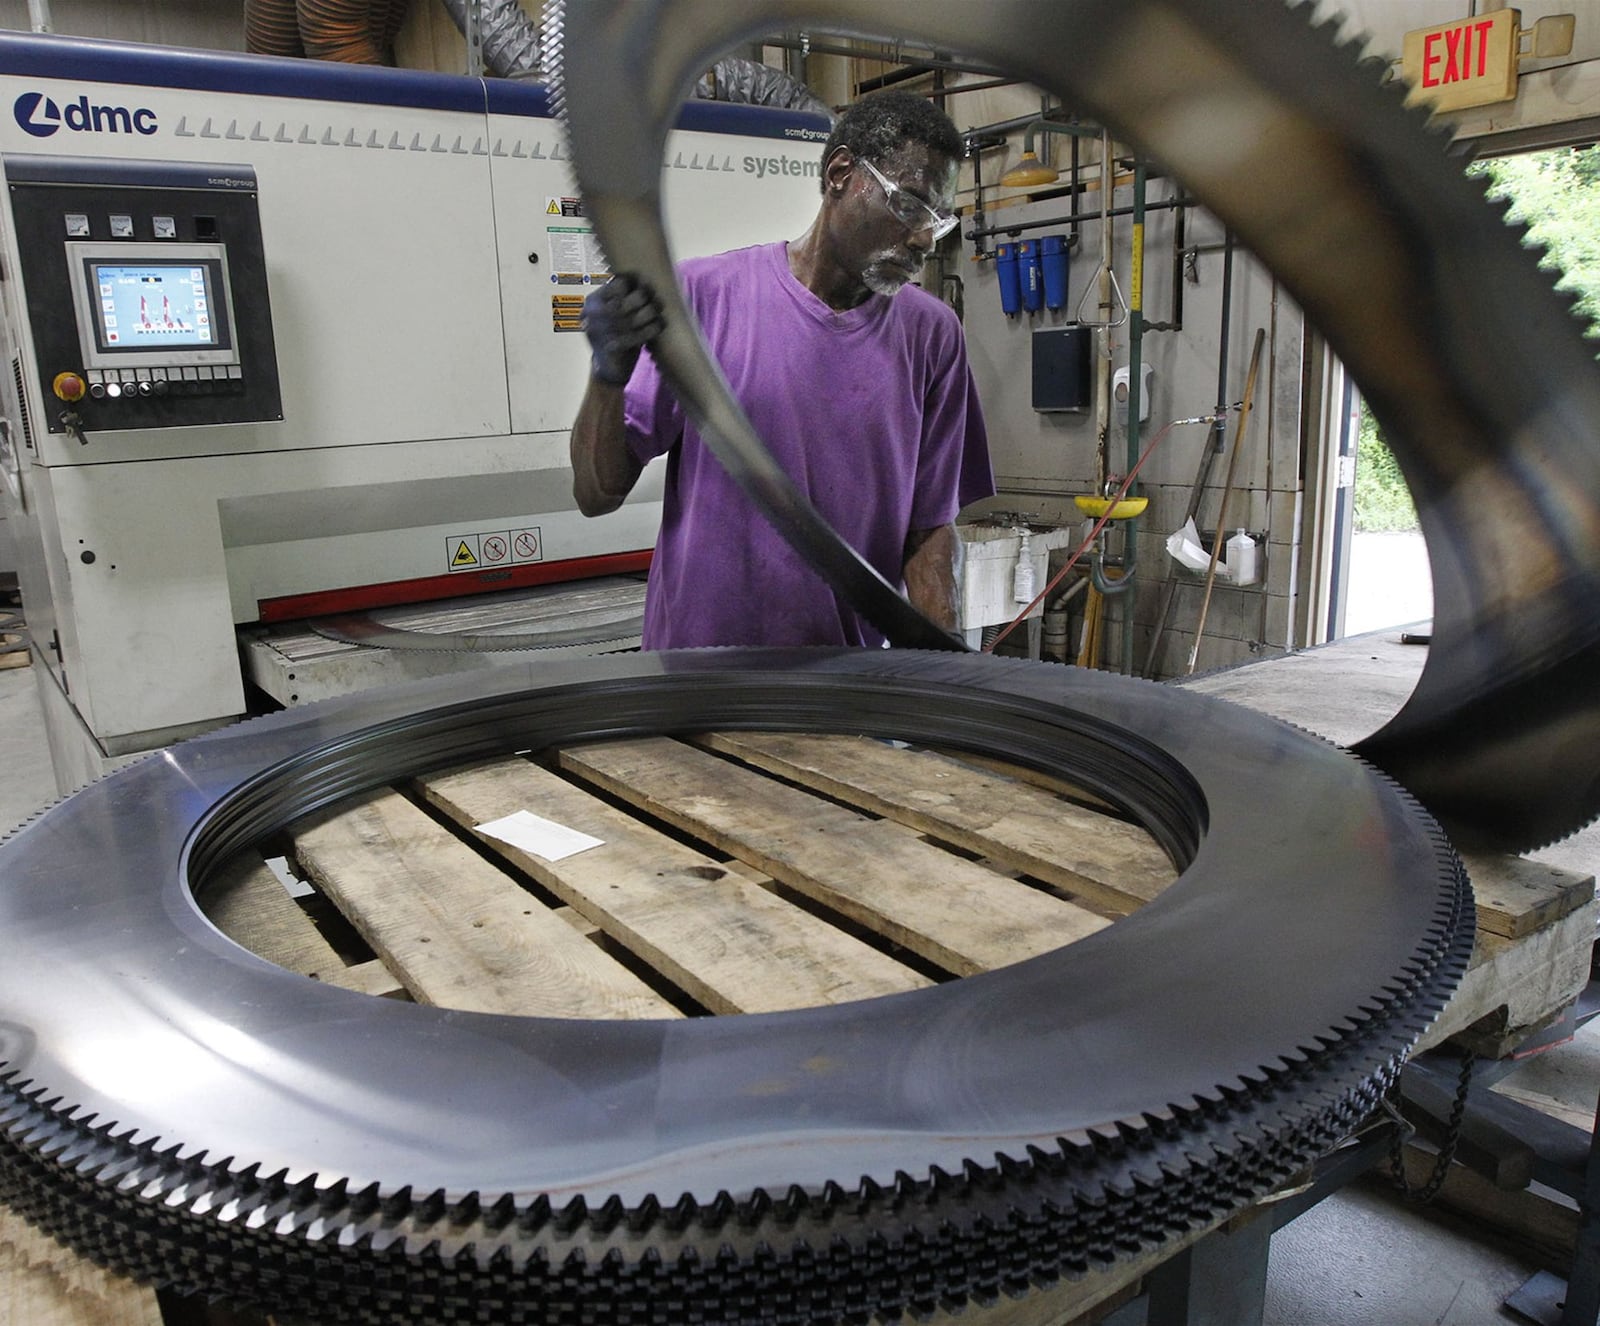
[(70, 387)]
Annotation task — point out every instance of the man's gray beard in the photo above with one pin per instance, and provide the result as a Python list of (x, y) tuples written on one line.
[(884, 277)]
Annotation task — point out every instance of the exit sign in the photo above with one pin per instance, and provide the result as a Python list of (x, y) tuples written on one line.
[(1470, 62)]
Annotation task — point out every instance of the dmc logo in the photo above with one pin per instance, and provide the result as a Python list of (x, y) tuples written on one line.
[(38, 115)]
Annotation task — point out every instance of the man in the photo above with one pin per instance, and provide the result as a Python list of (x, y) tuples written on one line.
[(857, 382)]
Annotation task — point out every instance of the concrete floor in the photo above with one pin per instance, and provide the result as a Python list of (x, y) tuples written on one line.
[(1359, 1259)]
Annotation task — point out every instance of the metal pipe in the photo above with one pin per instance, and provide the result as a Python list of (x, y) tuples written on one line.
[(1220, 431), (927, 62), (1012, 125), (1130, 538), (975, 148), (912, 72), (1077, 189), (1075, 217), (1108, 587), (988, 85), (1104, 280), (1056, 127), (1175, 322)]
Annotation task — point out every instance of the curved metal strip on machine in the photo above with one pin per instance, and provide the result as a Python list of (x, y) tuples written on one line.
[(185, 1110), (1358, 208), (365, 630)]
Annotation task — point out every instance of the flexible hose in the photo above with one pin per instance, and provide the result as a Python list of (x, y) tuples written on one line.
[(350, 31), (271, 27)]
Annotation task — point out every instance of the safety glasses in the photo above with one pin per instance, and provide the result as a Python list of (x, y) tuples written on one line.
[(910, 210)]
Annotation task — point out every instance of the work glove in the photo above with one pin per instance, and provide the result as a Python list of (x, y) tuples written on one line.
[(620, 319)]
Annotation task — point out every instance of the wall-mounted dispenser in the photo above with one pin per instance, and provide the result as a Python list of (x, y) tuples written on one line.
[(1119, 390)]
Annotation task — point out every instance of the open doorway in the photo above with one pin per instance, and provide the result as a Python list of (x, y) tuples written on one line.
[(1555, 195), (1387, 577)]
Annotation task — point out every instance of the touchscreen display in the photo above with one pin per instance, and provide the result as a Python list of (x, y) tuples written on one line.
[(156, 305)]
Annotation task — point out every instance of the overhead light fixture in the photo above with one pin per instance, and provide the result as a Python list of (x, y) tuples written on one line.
[(1029, 170)]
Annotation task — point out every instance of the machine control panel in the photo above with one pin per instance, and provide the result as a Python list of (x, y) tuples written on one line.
[(160, 267)]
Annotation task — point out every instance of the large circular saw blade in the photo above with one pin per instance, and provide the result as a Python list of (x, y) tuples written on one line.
[(186, 1111)]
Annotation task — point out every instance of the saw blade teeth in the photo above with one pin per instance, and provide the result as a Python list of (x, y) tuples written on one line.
[(608, 1215), (793, 1206), (682, 1214), (571, 1216), (397, 1205), (534, 1216)]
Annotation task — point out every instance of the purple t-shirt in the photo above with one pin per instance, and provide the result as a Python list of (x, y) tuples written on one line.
[(872, 412)]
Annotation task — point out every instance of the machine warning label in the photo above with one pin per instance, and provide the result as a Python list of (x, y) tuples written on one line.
[(566, 313), (563, 207), (575, 256), (477, 552)]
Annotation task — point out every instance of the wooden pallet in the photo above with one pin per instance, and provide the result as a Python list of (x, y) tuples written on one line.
[(736, 874), (756, 872)]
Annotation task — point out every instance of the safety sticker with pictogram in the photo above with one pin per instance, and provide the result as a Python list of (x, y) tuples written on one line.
[(464, 552), (526, 545), (505, 547)]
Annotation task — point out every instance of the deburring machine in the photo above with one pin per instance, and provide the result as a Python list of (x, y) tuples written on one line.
[(288, 339)]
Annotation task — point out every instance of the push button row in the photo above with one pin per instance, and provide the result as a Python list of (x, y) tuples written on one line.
[(189, 380)]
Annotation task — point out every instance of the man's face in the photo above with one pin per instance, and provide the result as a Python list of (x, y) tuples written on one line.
[(887, 249)]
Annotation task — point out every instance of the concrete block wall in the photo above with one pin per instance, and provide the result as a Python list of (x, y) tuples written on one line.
[(1043, 460)]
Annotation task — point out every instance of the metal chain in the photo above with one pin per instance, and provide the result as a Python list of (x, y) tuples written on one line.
[(1405, 1130)]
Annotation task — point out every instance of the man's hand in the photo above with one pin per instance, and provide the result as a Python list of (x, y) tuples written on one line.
[(933, 560), (620, 319)]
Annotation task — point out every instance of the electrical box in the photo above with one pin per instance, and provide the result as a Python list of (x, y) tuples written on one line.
[(1061, 369)]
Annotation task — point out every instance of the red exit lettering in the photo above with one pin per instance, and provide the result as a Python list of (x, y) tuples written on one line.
[(1465, 54)]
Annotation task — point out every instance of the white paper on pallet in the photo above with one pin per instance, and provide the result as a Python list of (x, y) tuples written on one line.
[(542, 837)]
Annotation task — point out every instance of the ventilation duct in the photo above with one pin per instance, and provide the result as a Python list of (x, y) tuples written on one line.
[(511, 50), (363, 32), (756, 84), (510, 38), (347, 31)]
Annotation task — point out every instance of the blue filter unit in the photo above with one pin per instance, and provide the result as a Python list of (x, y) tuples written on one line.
[(1005, 266), (1053, 259), (1032, 276)]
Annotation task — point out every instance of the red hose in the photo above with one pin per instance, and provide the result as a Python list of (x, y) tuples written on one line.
[(1083, 547)]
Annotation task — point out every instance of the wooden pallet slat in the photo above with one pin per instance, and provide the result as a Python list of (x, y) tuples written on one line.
[(457, 931), (1515, 896), (1105, 861), (723, 939), (954, 912), (253, 909)]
